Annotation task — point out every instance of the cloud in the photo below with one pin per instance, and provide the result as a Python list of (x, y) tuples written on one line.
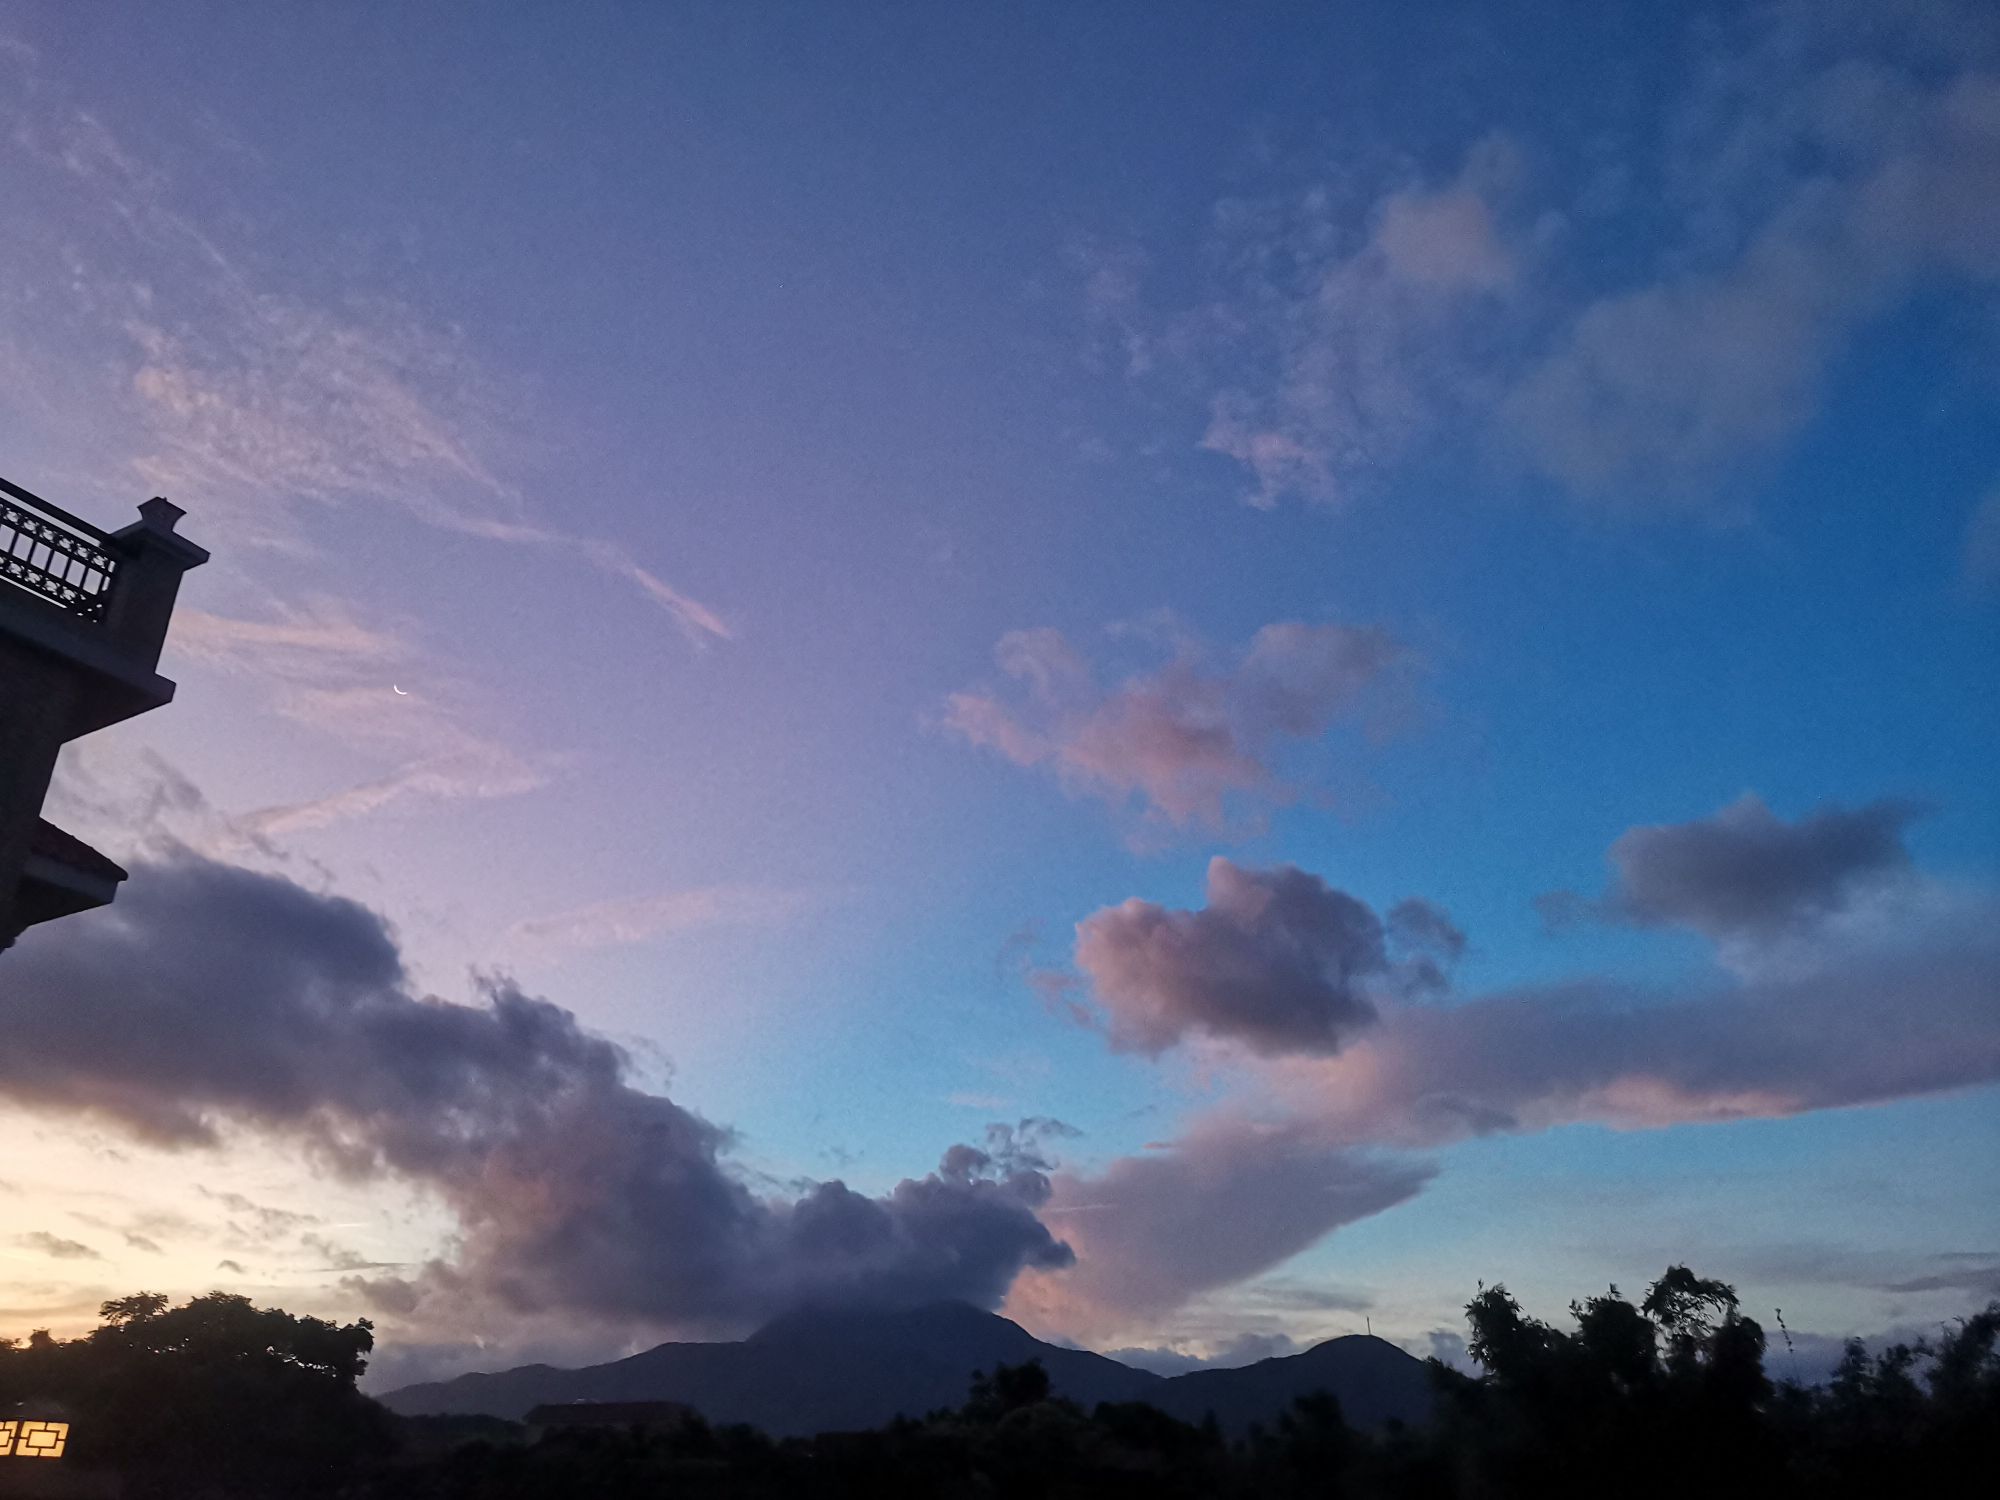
[(1243, 1349), (1110, 278), (1978, 1276), (1651, 393), (1278, 960), (1645, 341), (1230, 1198), (1347, 352), (1873, 1012), (330, 673), (1908, 1017), (133, 1235), (1427, 927), (295, 644), (1745, 873), (1184, 740), (639, 919), (54, 1245), (260, 1222), (574, 1192), (475, 771), (267, 405)]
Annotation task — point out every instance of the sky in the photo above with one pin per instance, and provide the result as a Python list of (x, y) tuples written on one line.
[(1201, 673)]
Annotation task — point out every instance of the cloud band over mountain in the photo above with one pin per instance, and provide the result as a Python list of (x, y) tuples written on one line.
[(214, 998)]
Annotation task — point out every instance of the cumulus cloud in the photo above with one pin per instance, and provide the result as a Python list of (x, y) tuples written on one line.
[(1825, 165), (1230, 1198), (1745, 873), (1346, 1103), (1355, 336), (1186, 739), (1277, 960), (573, 1190), (1651, 392)]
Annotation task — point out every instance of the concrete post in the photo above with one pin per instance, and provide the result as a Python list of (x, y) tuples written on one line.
[(149, 578)]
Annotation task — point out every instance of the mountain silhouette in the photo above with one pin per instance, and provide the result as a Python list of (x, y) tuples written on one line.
[(1375, 1381), (835, 1370)]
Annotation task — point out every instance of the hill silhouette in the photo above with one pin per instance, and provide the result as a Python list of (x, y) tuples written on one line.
[(828, 1370), (1375, 1381)]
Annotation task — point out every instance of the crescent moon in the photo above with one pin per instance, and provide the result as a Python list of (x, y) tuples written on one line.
[(397, 691)]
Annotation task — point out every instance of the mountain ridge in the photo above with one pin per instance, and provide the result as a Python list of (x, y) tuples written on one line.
[(824, 1370)]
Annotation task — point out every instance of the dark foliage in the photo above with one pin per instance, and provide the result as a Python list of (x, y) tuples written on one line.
[(214, 1397), (1668, 1397)]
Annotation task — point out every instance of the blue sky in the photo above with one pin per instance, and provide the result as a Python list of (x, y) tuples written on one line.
[(829, 478)]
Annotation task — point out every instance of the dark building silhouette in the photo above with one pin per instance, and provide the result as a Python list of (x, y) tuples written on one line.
[(83, 615)]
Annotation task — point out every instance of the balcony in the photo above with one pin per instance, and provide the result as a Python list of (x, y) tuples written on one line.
[(53, 555), (99, 601)]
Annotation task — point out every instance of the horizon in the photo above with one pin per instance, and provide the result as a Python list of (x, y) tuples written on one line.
[(1201, 679)]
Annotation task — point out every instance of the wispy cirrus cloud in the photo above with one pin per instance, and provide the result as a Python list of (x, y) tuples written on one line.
[(1186, 740), (328, 671), (209, 379), (638, 919)]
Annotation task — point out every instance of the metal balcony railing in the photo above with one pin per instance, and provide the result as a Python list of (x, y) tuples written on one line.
[(53, 555)]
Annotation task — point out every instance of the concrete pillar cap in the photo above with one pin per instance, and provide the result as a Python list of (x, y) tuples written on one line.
[(161, 512)]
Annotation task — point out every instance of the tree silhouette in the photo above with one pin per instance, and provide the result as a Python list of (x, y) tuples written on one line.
[(1665, 1397)]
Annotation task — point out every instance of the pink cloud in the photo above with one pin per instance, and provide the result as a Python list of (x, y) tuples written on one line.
[(1187, 739), (1229, 1199)]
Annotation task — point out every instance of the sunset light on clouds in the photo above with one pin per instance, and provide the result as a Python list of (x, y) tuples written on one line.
[(1195, 672)]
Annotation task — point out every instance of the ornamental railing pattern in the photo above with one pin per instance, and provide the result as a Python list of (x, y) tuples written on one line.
[(50, 553)]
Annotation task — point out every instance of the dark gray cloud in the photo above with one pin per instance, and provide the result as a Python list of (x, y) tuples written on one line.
[(212, 996), (1277, 960), (56, 1245), (1424, 927), (1744, 872), (1975, 1274)]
